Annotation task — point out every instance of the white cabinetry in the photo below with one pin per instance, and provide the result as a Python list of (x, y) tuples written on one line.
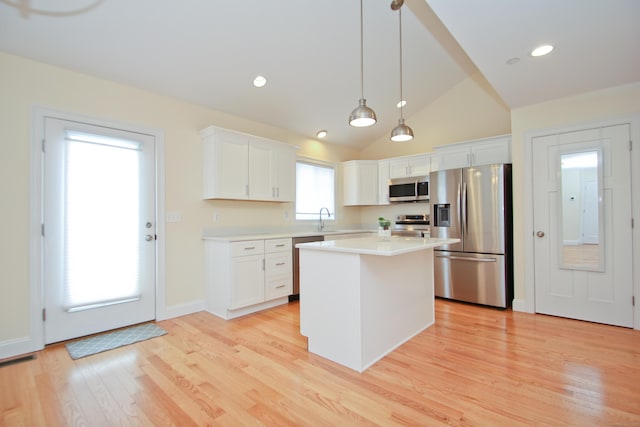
[(247, 276), (402, 167), (383, 182), (360, 182), (472, 153), (246, 167)]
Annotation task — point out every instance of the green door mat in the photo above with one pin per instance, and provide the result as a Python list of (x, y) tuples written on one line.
[(104, 342)]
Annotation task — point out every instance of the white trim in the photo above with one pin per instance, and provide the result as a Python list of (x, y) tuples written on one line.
[(520, 305), (528, 304), (35, 340)]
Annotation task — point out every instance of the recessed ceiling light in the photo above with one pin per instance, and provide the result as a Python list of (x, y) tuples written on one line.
[(401, 103), (259, 81), (321, 133), (542, 50)]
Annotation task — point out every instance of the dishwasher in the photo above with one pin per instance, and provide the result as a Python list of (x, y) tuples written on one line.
[(296, 263)]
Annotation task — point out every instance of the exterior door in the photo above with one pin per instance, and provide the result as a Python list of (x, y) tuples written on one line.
[(583, 279), (99, 229)]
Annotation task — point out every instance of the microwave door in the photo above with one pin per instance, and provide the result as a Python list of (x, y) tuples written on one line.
[(402, 192)]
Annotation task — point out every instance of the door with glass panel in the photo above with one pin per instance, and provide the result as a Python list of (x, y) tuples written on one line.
[(582, 225), (99, 229)]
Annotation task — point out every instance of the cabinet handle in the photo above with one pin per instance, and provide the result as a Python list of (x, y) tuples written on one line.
[(280, 263), (281, 286), (248, 248), (280, 245)]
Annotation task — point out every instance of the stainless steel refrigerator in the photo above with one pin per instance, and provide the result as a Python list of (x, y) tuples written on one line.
[(474, 205)]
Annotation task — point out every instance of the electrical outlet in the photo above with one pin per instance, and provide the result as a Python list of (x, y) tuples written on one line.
[(173, 217), (286, 215), (216, 217)]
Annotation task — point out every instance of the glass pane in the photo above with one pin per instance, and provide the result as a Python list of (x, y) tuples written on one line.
[(102, 229), (581, 241), (315, 189)]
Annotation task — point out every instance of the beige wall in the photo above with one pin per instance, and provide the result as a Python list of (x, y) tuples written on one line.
[(24, 84), (581, 109), (470, 110)]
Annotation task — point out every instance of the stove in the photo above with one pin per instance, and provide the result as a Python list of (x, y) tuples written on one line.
[(414, 225)]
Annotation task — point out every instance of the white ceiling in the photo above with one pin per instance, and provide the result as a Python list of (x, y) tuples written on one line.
[(208, 52)]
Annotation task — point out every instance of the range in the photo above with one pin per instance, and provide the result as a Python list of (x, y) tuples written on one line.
[(413, 225)]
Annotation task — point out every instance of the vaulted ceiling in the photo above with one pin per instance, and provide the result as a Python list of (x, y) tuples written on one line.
[(208, 52)]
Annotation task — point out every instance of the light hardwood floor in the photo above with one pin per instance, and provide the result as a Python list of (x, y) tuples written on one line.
[(476, 367)]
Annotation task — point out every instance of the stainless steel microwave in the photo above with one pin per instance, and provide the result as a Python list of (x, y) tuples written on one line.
[(414, 189)]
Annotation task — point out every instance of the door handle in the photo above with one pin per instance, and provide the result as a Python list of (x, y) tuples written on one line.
[(540, 233), (463, 258)]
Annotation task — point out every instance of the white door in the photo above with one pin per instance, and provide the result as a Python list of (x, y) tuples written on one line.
[(99, 229), (590, 282)]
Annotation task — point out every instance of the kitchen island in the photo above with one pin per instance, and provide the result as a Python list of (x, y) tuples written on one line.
[(362, 298)]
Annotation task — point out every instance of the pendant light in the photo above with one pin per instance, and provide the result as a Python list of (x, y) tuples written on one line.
[(362, 115), (402, 132)]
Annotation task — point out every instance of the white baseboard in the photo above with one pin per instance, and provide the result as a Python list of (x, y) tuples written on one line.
[(17, 347), (520, 305), (181, 310)]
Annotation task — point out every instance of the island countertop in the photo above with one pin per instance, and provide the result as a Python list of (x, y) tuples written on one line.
[(375, 245)]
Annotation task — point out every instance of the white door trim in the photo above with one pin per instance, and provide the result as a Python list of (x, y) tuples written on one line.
[(528, 305), (35, 340)]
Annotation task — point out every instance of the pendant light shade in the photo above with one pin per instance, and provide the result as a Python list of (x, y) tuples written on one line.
[(362, 115), (402, 132)]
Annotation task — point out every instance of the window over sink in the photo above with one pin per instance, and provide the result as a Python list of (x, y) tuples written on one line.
[(315, 189)]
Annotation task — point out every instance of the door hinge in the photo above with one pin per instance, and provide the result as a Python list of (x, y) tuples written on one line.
[(42, 230), (44, 314), (43, 144)]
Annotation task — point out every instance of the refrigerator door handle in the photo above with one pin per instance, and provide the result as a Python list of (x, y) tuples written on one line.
[(462, 258), (463, 206)]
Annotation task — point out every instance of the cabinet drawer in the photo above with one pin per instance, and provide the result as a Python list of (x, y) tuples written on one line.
[(250, 247), (278, 264), (278, 287), (277, 245)]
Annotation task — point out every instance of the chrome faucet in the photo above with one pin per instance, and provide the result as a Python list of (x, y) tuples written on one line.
[(321, 223)]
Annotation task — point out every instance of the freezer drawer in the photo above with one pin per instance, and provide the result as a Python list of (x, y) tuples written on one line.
[(477, 278)]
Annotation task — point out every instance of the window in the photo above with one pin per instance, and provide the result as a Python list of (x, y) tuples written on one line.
[(315, 189)]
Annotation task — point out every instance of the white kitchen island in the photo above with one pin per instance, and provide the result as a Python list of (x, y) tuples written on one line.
[(362, 298)]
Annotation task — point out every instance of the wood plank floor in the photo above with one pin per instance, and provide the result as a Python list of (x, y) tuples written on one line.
[(476, 367)]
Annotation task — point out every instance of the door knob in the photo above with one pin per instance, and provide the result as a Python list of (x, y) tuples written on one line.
[(148, 237), (540, 234)]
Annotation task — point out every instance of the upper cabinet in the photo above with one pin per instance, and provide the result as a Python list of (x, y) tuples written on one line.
[(245, 167), (472, 153), (360, 182), (401, 167)]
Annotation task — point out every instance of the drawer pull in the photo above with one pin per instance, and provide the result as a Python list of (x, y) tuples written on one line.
[(248, 248), (280, 245), (281, 286), (280, 263)]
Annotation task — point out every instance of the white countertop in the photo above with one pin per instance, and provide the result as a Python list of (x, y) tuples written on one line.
[(385, 246), (239, 235)]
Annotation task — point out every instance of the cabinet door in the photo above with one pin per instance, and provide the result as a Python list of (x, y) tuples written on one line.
[(452, 158), (488, 153), (226, 166), (398, 168), (284, 174), (261, 183), (360, 183), (247, 281), (383, 182), (419, 165)]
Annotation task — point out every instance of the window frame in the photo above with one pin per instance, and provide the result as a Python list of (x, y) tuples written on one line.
[(319, 163)]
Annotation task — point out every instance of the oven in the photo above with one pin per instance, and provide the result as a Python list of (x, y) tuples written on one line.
[(411, 225)]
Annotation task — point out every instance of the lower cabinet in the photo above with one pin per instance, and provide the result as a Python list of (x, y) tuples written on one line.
[(247, 276)]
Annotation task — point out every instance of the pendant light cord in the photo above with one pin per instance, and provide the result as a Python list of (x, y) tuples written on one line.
[(400, 31), (361, 53)]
